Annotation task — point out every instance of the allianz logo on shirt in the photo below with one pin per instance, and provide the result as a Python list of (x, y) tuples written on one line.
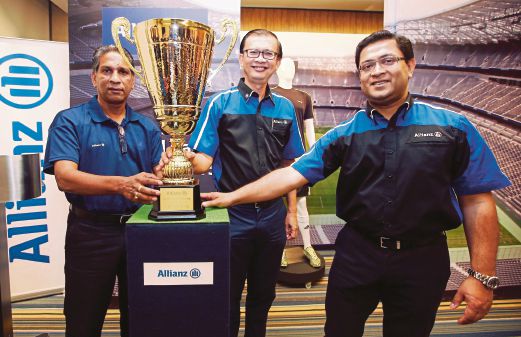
[(178, 273), (280, 121), (436, 134)]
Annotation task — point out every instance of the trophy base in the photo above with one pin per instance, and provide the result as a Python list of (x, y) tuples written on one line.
[(177, 202)]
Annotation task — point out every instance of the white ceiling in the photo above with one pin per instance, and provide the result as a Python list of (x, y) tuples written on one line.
[(346, 5), (353, 5)]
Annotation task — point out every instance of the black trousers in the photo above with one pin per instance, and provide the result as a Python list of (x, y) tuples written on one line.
[(94, 256), (257, 241), (409, 283)]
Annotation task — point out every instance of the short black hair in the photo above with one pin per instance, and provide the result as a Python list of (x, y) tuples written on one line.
[(261, 32), (404, 44), (102, 50)]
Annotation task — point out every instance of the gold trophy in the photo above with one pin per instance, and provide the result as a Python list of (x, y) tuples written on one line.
[(175, 57)]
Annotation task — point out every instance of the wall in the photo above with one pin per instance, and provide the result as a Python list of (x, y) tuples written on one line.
[(33, 19), (36, 19), (59, 26), (316, 21)]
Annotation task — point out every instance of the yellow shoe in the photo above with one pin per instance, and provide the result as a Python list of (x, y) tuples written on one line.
[(311, 255), (283, 260)]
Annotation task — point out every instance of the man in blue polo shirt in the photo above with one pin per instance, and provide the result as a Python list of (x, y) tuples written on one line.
[(409, 171), (246, 132), (102, 154)]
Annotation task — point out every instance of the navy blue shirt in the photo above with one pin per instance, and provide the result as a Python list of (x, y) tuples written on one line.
[(246, 138), (86, 136), (400, 178)]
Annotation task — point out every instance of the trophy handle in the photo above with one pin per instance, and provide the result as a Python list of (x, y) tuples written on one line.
[(123, 22), (233, 39)]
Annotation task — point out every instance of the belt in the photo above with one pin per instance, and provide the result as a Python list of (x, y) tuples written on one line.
[(101, 217), (394, 244), (262, 204)]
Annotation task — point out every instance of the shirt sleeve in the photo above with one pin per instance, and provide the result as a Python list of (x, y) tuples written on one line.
[(205, 137), (157, 145), (322, 159), (294, 147), (62, 142), (482, 173)]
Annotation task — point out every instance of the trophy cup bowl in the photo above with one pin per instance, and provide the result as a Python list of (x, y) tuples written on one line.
[(175, 56)]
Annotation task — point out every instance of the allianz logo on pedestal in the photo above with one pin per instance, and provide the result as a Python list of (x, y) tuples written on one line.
[(178, 273)]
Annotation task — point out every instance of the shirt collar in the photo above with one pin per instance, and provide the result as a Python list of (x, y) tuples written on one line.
[(99, 116), (247, 92), (409, 101)]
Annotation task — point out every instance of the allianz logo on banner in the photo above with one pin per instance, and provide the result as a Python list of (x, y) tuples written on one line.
[(25, 81), (178, 273)]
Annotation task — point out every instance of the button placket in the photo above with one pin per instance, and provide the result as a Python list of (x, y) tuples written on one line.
[(390, 166), (261, 146)]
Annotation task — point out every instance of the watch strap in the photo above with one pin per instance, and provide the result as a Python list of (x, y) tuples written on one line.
[(491, 282)]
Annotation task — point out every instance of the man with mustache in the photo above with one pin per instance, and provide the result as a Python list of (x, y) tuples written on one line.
[(103, 155)]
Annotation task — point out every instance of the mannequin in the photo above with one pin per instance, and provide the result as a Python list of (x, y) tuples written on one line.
[(304, 110)]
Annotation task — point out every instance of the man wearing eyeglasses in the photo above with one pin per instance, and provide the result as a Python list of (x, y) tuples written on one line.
[(103, 155), (409, 171), (246, 132)]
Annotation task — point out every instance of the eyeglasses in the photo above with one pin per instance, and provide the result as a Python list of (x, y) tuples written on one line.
[(266, 54), (122, 141), (385, 62)]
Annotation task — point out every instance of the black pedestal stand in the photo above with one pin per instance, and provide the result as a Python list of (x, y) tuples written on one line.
[(298, 271)]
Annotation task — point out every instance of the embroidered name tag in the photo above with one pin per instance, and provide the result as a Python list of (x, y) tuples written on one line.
[(430, 136)]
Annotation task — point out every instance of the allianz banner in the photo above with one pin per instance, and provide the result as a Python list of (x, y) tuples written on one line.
[(34, 86)]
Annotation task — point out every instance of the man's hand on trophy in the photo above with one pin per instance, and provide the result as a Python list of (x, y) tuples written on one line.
[(217, 199), (201, 162), (135, 189), (189, 154), (165, 159)]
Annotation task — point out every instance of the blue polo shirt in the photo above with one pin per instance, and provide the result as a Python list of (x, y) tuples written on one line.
[(400, 178), (86, 136), (246, 138)]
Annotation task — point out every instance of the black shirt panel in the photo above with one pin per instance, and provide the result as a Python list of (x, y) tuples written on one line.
[(395, 162), (250, 147)]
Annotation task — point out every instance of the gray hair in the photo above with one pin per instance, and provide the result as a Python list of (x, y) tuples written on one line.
[(102, 50)]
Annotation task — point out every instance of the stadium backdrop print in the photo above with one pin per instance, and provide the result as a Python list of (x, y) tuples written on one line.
[(468, 56)]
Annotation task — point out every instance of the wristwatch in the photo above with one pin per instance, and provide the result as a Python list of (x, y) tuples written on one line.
[(491, 282)]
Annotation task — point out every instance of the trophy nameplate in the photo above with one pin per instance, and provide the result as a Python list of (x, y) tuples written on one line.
[(179, 201)]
